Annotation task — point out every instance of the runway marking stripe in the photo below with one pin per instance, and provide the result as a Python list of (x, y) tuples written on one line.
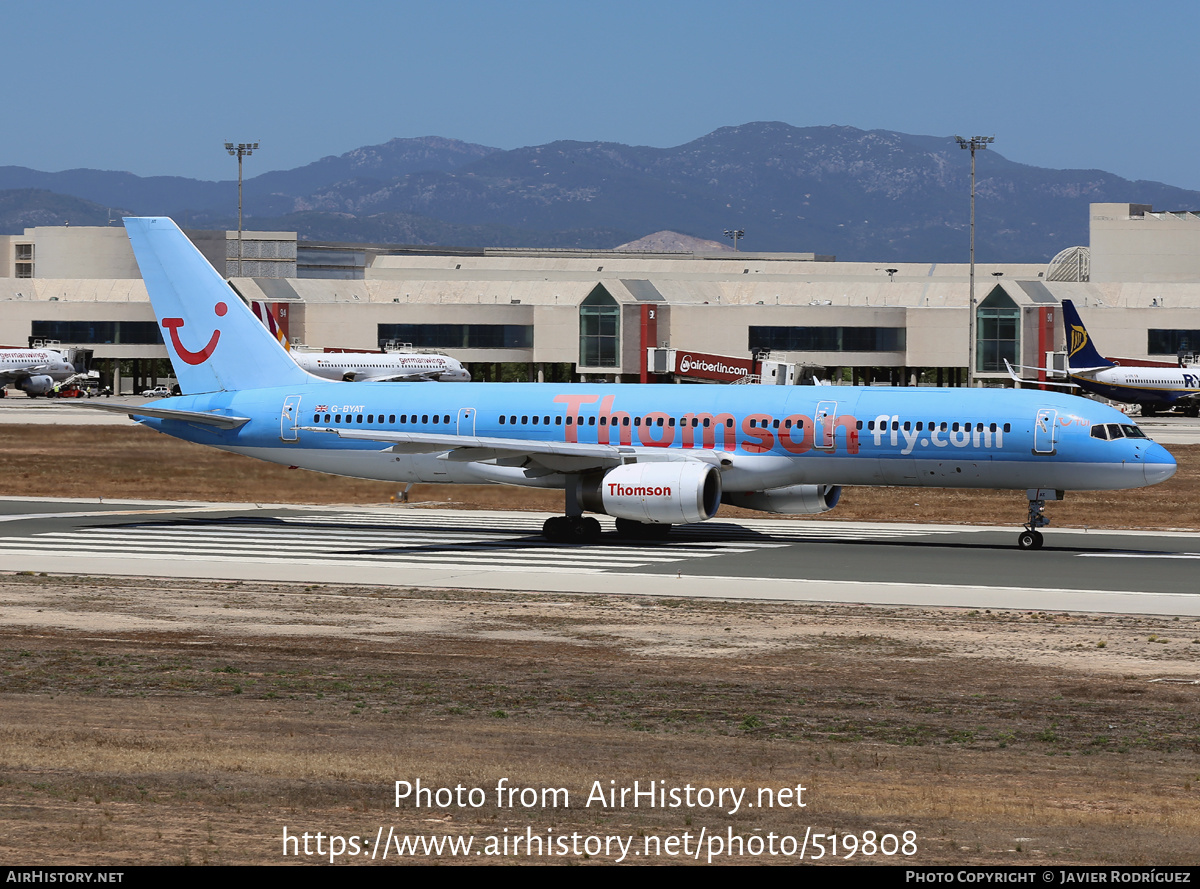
[(527, 557), (450, 564), (1139, 555), (504, 543), (613, 548)]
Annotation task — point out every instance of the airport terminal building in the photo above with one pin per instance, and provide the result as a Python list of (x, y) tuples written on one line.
[(633, 316)]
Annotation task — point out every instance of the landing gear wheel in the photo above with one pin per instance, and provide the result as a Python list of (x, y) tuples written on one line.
[(1030, 540), (554, 529), (571, 529)]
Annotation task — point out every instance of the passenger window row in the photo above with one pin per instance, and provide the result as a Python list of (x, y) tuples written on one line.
[(436, 419), (933, 425), (526, 420)]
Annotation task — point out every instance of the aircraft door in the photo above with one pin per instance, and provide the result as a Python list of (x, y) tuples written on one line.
[(1043, 432), (823, 423), (289, 419), (466, 421)]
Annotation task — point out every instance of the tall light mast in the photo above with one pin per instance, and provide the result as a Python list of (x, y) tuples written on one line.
[(975, 143), (245, 149)]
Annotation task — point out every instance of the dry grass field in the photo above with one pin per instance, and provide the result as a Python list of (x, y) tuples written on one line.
[(175, 722), (178, 722)]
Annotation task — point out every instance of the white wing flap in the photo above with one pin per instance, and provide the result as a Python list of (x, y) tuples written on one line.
[(559, 456)]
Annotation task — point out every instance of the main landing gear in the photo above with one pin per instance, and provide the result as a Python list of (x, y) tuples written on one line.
[(1031, 537), (576, 528), (581, 529), (571, 529)]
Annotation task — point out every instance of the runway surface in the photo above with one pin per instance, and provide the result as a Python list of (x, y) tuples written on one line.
[(1122, 572)]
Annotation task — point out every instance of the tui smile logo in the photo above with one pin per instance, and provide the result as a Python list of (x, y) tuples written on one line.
[(173, 325)]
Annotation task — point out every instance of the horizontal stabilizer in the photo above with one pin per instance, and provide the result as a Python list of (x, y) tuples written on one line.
[(133, 411), (1012, 373)]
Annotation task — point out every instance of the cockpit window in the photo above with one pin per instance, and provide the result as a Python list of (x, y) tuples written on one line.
[(1132, 431), (1100, 432)]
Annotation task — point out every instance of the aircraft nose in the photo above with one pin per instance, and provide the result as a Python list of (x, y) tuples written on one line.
[(1158, 464)]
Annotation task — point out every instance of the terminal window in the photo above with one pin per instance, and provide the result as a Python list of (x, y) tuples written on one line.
[(131, 332), (458, 336), (599, 330), (1171, 342), (827, 339), (998, 332)]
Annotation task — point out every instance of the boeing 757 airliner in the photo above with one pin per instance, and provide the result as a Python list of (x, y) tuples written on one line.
[(650, 455)]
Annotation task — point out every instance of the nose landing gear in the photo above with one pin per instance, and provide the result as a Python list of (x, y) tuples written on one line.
[(1031, 538)]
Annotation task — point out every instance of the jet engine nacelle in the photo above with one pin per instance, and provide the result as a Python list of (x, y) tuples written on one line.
[(673, 493), (793, 500), (38, 384)]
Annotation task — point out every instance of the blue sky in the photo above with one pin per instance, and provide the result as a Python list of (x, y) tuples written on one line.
[(157, 87)]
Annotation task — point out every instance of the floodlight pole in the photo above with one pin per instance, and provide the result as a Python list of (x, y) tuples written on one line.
[(243, 149), (735, 233), (975, 143)]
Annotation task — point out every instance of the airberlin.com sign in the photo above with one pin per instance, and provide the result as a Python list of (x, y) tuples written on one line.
[(713, 367)]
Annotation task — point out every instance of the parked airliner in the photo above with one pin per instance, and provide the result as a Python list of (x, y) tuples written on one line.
[(650, 455), (33, 371), (389, 366), (382, 367), (1149, 386)]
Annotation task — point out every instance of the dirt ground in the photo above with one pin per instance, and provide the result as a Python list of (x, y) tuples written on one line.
[(134, 462), (193, 723), (178, 722)]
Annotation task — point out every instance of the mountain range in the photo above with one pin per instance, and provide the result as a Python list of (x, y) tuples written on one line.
[(871, 195)]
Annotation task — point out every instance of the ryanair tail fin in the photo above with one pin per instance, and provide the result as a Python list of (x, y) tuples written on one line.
[(1081, 354), (214, 341)]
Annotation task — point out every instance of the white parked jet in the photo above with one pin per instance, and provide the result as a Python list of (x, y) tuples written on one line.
[(382, 367), (388, 366), (33, 371)]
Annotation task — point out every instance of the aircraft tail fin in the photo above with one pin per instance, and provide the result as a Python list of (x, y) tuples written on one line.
[(263, 313), (1081, 354), (214, 341)]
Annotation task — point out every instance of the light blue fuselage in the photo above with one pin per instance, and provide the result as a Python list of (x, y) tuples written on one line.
[(763, 436)]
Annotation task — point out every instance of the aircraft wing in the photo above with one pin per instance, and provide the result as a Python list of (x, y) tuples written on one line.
[(133, 411), (558, 456), (1012, 373), (20, 373), (424, 377)]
